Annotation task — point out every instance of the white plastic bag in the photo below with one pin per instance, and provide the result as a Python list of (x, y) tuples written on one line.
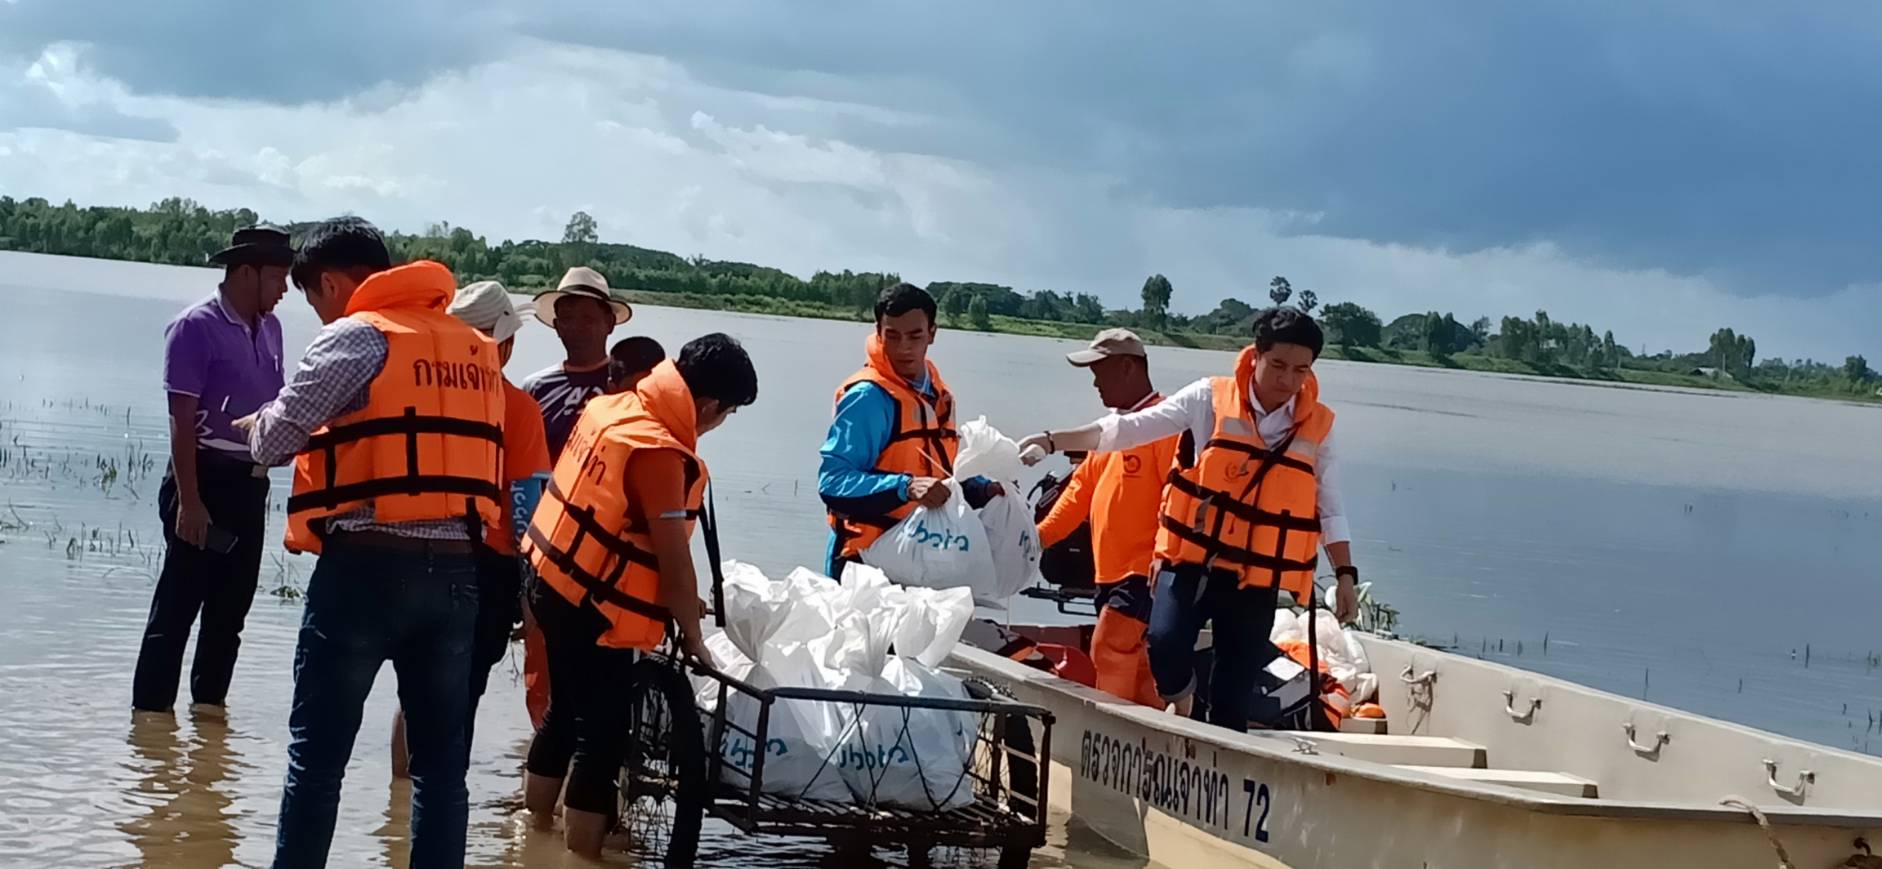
[(901, 756), (931, 749), (985, 452), (1013, 543), (929, 623), (926, 622), (1340, 650), (777, 634), (727, 659), (937, 548), (809, 631), (799, 736), (761, 613)]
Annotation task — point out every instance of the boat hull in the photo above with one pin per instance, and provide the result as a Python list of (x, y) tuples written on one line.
[(1188, 795)]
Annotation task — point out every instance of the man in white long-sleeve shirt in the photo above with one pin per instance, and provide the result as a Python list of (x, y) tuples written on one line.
[(1252, 498)]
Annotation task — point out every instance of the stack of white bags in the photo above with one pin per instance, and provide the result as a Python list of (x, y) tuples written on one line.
[(808, 631), (1340, 650)]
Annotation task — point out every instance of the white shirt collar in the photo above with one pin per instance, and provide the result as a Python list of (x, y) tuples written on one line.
[(1255, 405)]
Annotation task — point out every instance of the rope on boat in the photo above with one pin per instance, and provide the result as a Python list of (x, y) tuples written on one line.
[(1764, 823)]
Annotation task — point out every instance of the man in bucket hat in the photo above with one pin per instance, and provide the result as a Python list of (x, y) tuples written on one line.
[(582, 311), (221, 361)]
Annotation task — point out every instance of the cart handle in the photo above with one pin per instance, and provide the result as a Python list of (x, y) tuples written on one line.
[(709, 528)]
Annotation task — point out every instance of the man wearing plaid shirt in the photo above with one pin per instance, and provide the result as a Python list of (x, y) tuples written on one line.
[(401, 591)]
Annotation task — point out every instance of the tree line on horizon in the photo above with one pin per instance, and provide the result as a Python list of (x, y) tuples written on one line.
[(181, 231)]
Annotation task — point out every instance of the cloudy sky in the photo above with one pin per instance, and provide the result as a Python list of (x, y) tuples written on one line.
[(1661, 169)]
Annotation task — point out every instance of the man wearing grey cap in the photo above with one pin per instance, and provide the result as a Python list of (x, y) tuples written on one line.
[(1118, 492)]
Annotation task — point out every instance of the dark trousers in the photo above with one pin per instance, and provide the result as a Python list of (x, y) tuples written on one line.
[(196, 581), (499, 611), (1240, 621), (584, 733), (367, 605)]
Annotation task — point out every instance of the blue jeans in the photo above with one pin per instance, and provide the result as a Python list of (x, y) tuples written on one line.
[(1240, 621), (367, 605)]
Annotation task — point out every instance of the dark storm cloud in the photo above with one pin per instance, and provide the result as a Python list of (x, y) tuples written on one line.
[(293, 52), (1724, 140)]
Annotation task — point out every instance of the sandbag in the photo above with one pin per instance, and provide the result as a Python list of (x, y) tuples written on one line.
[(1013, 544), (985, 452), (906, 757), (809, 631), (944, 547), (777, 635), (800, 736), (761, 613), (727, 659), (926, 623)]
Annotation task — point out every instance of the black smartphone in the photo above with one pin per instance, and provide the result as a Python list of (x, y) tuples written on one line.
[(219, 541)]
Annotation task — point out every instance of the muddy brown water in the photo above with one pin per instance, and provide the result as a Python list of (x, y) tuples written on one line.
[(1713, 552)]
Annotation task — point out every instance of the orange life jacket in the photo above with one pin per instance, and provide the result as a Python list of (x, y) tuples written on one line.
[(1335, 701), (922, 443), (1241, 506), (585, 539), (428, 443), (1127, 489)]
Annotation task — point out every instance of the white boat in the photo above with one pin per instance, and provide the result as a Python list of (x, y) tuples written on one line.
[(1481, 765)]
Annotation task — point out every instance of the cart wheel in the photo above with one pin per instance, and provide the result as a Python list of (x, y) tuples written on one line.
[(663, 782), (1022, 776)]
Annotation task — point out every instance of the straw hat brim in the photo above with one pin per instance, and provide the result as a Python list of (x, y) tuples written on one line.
[(545, 306)]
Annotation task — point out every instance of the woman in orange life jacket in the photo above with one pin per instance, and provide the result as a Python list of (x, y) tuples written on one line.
[(1252, 498), (893, 438), (610, 545), (1119, 494)]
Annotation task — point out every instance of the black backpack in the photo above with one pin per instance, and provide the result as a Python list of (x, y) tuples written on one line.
[(1068, 563)]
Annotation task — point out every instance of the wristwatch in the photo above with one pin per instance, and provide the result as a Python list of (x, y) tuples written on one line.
[(1344, 572)]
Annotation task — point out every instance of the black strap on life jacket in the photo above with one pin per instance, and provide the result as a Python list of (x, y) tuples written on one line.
[(1246, 512), (597, 588), (1243, 507), (410, 424), (1217, 550), (933, 436), (1315, 712), (1276, 455)]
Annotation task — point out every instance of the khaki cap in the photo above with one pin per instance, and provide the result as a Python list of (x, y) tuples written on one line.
[(1109, 343)]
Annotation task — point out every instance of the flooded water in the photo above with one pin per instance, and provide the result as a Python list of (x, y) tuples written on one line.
[(1712, 552)]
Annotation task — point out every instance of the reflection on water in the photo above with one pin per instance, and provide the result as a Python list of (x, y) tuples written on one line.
[(1701, 537), (182, 782)]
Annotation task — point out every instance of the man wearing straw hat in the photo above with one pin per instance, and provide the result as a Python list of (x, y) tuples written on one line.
[(486, 307), (221, 361), (582, 311)]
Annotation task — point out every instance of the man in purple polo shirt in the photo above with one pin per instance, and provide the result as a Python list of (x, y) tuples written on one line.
[(221, 362)]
